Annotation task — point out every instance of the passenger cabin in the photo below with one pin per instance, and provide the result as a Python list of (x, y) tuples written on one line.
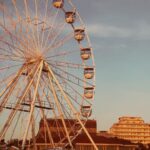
[(86, 111), (85, 53), (89, 72), (25, 73), (70, 17), (89, 92), (79, 34), (45, 69), (58, 3)]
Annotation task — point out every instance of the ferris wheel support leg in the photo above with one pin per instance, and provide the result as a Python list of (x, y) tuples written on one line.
[(54, 113), (6, 97), (33, 126), (46, 123), (32, 104), (33, 131), (13, 81), (47, 127), (59, 109), (71, 106), (7, 86), (13, 112)]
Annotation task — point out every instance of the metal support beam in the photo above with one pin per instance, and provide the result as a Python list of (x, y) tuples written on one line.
[(76, 114)]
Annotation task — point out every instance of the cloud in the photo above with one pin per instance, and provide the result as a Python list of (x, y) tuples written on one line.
[(141, 31), (102, 30)]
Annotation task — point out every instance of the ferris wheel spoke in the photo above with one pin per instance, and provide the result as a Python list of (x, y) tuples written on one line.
[(55, 38), (47, 127), (74, 97), (61, 42), (9, 67), (6, 97), (61, 54), (77, 93), (25, 36), (47, 96), (10, 58), (58, 127), (10, 87), (67, 64), (14, 111), (66, 79), (21, 28), (6, 13), (30, 40), (13, 25), (11, 47), (6, 53), (44, 20), (43, 115), (72, 108), (70, 77), (29, 24), (2, 38), (9, 120), (37, 27), (52, 27), (19, 23), (16, 9), (6, 80), (9, 33), (59, 109), (20, 20)]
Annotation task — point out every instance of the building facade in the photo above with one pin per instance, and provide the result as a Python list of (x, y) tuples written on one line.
[(81, 142), (133, 129)]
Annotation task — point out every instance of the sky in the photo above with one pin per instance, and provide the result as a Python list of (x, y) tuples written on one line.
[(120, 36)]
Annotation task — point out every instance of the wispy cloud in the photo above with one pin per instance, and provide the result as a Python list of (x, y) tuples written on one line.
[(142, 31)]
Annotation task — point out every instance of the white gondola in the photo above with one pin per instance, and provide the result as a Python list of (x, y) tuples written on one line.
[(79, 34), (85, 53), (89, 92), (89, 72), (58, 3), (86, 111), (70, 17)]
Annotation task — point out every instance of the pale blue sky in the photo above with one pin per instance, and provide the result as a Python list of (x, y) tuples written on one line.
[(120, 35)]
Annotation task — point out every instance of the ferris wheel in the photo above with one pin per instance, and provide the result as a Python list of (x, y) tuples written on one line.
[(47, 72)]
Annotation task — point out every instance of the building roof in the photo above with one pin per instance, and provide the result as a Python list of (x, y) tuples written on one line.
[(82, 137), (68, 122)]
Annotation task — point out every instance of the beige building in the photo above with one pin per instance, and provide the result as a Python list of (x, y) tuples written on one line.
[(133, 129)]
